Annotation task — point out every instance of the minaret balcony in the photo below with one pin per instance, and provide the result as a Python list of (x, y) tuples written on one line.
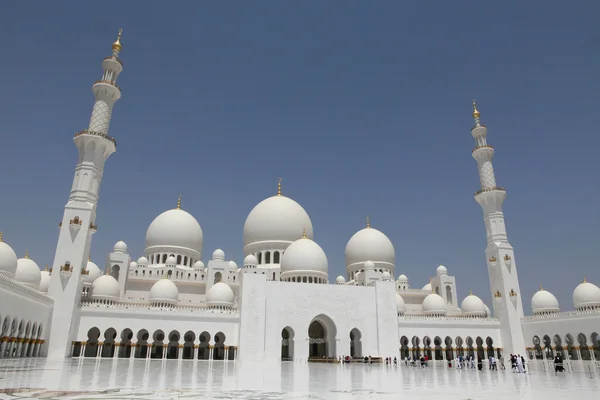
[(492, 189), (102, 135), (117, 59), (103, 82), (485, 146)]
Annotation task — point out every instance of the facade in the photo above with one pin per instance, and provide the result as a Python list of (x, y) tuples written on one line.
[(279, 303)]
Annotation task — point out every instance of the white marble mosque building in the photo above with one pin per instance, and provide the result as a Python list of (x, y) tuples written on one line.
[(280, 304)]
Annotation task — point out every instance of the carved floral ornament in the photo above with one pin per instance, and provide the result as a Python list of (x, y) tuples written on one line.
[(493, 259), (75, 221), (497, 294), (513, 293)]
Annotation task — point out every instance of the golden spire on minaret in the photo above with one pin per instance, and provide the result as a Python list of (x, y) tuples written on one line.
[(117, 44), (368, 222), (26, 253), (279, 187), (179, 202), (475, 112)]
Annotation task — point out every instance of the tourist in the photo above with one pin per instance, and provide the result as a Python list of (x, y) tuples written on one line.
[(493, 361), (502, 362), (558, 364), (395, 361), (519, 361), (523, 362)]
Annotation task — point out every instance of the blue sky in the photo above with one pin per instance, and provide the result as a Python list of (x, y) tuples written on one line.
[(363, 108)]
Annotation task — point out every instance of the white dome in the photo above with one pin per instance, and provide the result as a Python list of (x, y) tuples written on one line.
[(427, 287), (218, 254), (304, 255), (93, 272), (400, 305), (8, 259), (133, 265), (473, 305), (142, 261), (198, 265), (340, 280), (543, 302), (105, 288), (164, 291), (44, 282), (120, 247), (171, 260), (250, 260), (175, 228), (441, 270), (220, 294), (402, 278), (585, 295), (433, 304), (488, 313), (28, 272), (386, 276), (277, 218), (370, 244), (232, 264), (369, 265)]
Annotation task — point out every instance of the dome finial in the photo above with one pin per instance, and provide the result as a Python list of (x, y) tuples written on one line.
[(279, 187), (584, 279), (368, 222), (179, 202), (26, 253), (107, 271), (476, 113), (470, 292), (117, 44), (541, 287), (0, 236), (46, 268), (304, 233)]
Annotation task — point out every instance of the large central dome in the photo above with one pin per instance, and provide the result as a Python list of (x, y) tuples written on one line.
[(175, 228), (276, 219)]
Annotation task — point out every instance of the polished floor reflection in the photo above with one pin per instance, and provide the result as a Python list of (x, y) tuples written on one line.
[(166, 379)]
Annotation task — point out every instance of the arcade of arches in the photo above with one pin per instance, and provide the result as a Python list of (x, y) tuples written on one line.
[(448, 348), (582, 347), (20, 338), (156, 345)]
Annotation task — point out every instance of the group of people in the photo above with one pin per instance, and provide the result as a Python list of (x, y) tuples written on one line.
[(517, 363), (422, 361), (558, 364)]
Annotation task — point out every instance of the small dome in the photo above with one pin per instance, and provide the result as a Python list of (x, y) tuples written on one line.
[(198, 265), (8, 259), (488, 313), (105, 288), (441, 270), (544, 302), (304, 255), (28, 272), (44, 282), (175, 228), (427, 287), (164, 291), (400, 305), (142, 261), (340, 280), (250, 260), (370, 244), (220, 295), (277, 218), (232, 264), (133, 265), (402, 278), (586, 294), (93, 272), (473, 305), (171, 260), (433, 304), (120, 247), (218, 254), (369, 265), (386, 276)]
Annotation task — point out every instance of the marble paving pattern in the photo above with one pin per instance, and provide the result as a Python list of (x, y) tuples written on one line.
[(182, 379)]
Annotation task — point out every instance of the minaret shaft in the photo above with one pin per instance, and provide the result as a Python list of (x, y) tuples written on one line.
[(79, 219), (502, 270)]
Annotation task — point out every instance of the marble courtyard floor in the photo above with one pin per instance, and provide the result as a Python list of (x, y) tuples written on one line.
[(178, 379)]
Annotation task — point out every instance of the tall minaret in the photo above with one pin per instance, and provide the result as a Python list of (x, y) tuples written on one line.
[(79, 219), (502, 268)]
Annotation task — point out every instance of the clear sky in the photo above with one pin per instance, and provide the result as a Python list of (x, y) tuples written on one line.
[(363, 108)]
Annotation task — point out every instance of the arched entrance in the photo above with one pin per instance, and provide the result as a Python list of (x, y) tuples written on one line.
[(321, 334), (355, 343), (287, 344)]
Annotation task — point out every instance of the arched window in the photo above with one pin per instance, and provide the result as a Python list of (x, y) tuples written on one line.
[(275, 258), (185, 260), (273, 276), (268, 257), (164, 258), (259, 258), (218, 277), (178, 260)]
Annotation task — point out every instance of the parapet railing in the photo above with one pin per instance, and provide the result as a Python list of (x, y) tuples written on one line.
[(457, 317), (143, 305), (30, 292), (561, 314)]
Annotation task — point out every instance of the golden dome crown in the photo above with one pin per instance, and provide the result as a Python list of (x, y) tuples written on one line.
[(117, 44)]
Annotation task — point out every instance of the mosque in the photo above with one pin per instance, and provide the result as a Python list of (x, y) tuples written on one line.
[(174, 302)]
